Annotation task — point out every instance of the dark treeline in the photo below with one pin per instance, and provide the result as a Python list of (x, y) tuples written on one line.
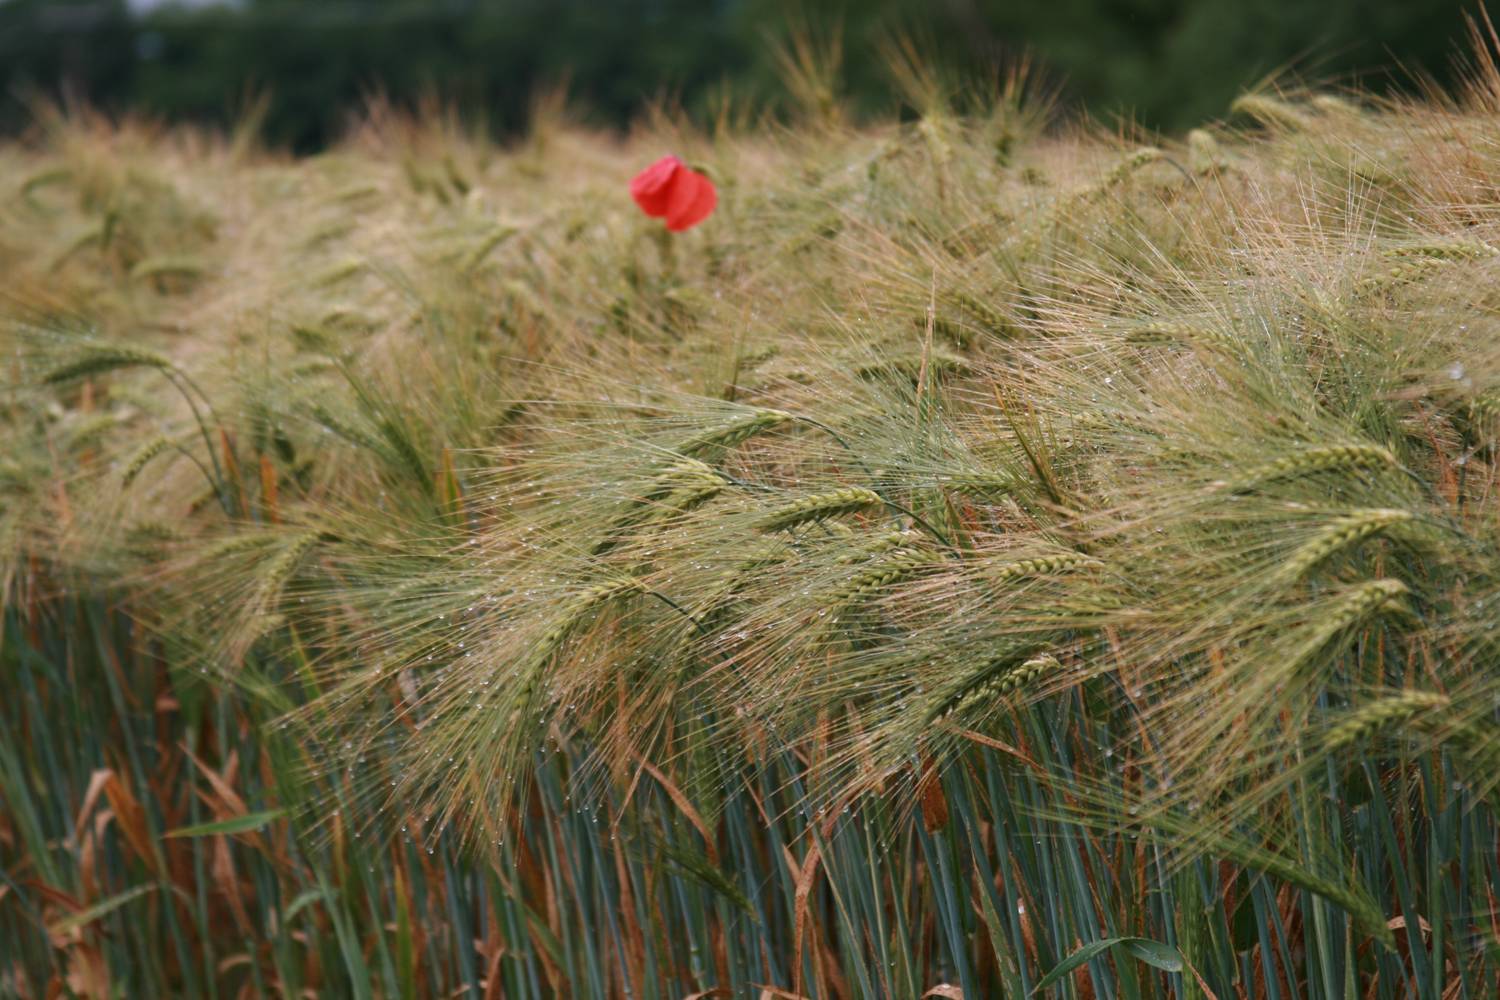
[(1165, 63)]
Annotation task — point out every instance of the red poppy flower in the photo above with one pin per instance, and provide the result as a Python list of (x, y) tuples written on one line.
[(671, 190)]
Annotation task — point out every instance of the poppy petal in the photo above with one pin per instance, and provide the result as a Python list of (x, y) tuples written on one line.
[(652, 187), (689, 214), (681, 194)]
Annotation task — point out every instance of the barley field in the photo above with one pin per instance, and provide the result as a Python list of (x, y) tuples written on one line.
[(994, 555)]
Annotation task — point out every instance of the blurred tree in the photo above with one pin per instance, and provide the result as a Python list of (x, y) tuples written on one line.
[(86, 46), (1165, 63)]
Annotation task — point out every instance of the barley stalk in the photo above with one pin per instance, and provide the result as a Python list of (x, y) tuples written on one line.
[(879, 574), (550, 642), (1446, 250), (880, 544), (91, 428), (143, 456), (912, 365), (1354, 605), (1204, 154), (342, 428), (1406, 270), (236, 545), (1272, 112), (279, 571), (1341, 534), (1316, 461), (97, 359), (1334, 104), (683, 485), (488, 246), (1114, 177), (817, 507), (1358, 905), (1367, 720), (1036, 566), (1166, 333), (987, 486), (997, 680), (731, 434), (150, 531)]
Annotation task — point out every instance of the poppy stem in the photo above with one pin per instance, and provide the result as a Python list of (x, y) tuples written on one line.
[(666, 251)]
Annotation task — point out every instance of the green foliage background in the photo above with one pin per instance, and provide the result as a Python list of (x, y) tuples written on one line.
[(1166, 63)]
